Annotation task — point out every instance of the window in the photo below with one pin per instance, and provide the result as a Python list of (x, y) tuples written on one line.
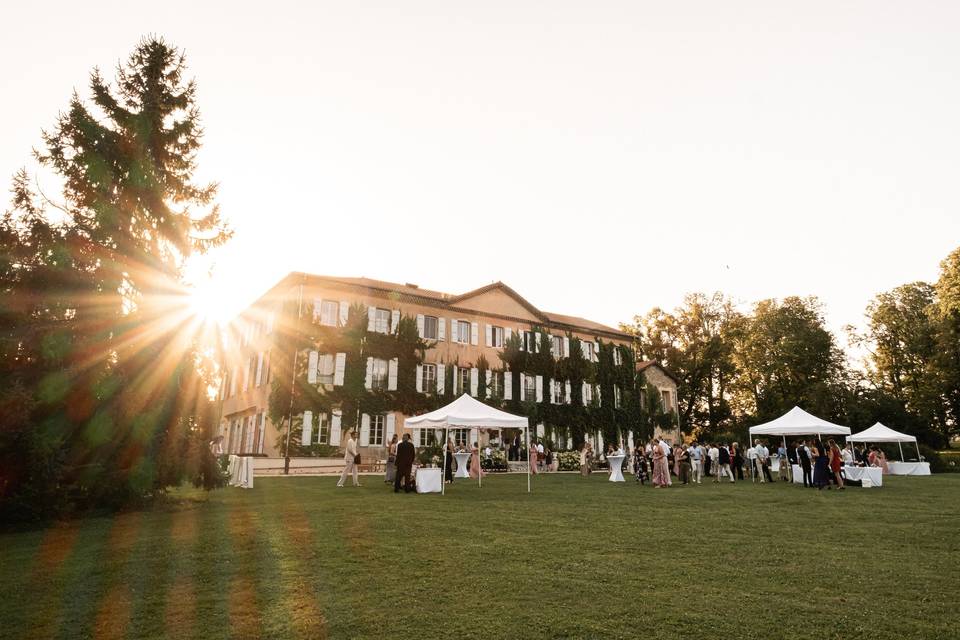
[(378, 426), (587, 393), (557, 346), (667, 406), (378, 374), (381, 320), (496, 336), (428, 437), (529, 341), (430, 327), (323, 429), (429, 378), (587, 348), (496, 384), (530, 388), (616, 397), (460, 437), (559, 389), (325, 366), (463, 380), (617, 358), (463, 332), (329, 311)]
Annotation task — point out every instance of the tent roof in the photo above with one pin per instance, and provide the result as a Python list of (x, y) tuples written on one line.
[(466, 411), (881, 433), (798, 422)]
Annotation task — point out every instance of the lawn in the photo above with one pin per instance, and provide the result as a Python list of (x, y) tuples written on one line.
[(297, 557)]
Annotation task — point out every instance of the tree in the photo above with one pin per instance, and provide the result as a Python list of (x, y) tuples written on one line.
[(947, 360), (95, 323)]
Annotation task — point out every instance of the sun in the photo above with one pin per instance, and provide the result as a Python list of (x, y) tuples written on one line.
[(208, 304)]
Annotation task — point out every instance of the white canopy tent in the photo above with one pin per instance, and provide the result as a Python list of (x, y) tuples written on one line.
[(468, 412), (883, 433), (797, 422)]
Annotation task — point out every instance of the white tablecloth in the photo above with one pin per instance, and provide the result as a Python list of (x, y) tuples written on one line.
[(462, 464), (909, 468), (429, 480), (241, 471), (850, 473), (616, 464)]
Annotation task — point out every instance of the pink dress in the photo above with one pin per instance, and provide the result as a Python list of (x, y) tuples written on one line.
[(661, 472), (475, 470)]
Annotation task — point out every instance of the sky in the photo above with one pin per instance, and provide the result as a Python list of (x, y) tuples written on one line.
[(601, 158)]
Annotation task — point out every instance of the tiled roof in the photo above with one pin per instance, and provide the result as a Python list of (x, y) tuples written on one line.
[(643, 365)]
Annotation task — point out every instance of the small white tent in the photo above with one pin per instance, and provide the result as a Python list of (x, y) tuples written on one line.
[(883, 433), (797, 422), (468, 412)]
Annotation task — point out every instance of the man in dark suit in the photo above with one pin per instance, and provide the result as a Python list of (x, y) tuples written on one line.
[(405, 456), (804, 456)]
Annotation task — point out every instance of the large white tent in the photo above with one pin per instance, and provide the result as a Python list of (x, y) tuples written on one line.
[(883, 433), (468, 412), (797, 422)]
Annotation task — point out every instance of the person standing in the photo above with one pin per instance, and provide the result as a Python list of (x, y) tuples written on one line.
[(723, 468), (882, 461), (585, 459), (639, 464), (683, 458), (661, 472), (707, 462), (391, 471), (713, 455), (782, 462), (803, 455), (764, 457), (448, 461), (350, 461), (736, 460), (752, 462), (696, 463), (405, 456), (475, 470), (821, 470), (836, 462)]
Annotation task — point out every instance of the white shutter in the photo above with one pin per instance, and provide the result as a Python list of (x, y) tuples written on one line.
[(259, 367), (523, 339), (441, 329), (596, 351), (599, 399), (263, 429), (566, 347), (488, 376), (474, 333), (507, 385), (307, 428), (420, 325), (583, 348), (246, 375), (365, 430), (392, 374), (394, 320), (583, 395), (489, 330), (454, 330), (553, 391), (569, 442), (371, 318), (540, 430), (368, 383), (312, 368), (507, 334), (474, 381), (416, 437), (456, 381), (344, 312), (567, 396), (599, 441), (523, 387), (550, 338), (391, 427), (441, 379), (251, 423), (539, 383), (335, 427), (630, 440), (339, 367), (539, 340), (419, 378)]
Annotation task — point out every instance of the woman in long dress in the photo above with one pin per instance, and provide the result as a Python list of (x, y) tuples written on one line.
[(391, 470), (475, 470), (821, 473), (639, 463), (661, 472), (448, 461), (836, 463), (882, 461)]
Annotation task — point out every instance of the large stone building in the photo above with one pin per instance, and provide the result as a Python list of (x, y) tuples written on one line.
[(459, 329)]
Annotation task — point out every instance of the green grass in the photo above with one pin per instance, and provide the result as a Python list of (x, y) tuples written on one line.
[(296, 557)]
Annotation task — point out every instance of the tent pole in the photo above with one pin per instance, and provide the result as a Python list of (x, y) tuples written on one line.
[(917, 443), (479, 464), (526, 432), (789, 466), (443, 477), (901, 450)]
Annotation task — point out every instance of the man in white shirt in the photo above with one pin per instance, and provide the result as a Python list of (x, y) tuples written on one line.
[(763, 457), (349, 465), (752, 455), (696, 462), (540, 455), (666, 451), (714, 454)]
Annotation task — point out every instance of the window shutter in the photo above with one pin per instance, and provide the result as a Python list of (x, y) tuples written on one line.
[(474, 333), (392, 374), (307, 428), (335, 427), (259, 368), (553, 391), (489, 330), (456, 381), (394, 320), (539, 386), (344, 312), (391, 428), (339, 367), (507, 334), (540, 430), (566, 347), (583, 348), (419, 378), (416, 437), (312, 368), (365, 430), (596, 351), (441, 329), (599, 399), (246, 375), (263, 429), (474, 381), (251, 423), (523, 339), (420, 325), (368, 383), (550, 338), (507, 385), (454, 330), (539, 339), (441, 379), (488, 376), (371, 318), (583, 394), (567, 397), (523, 387)]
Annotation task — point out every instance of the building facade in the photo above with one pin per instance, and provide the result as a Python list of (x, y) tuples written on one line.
[(465, 335)]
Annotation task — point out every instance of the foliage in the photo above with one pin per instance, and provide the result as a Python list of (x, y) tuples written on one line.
[(104, 377), (568, 461)]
